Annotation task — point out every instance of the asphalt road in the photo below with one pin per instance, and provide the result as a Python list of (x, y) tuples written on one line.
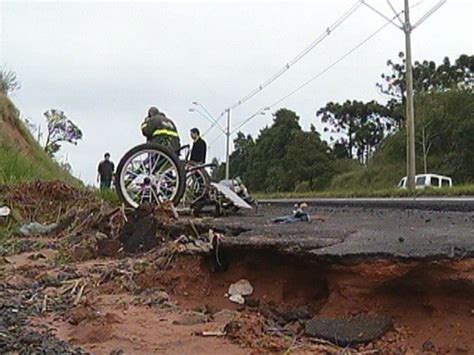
[(465, 204), (343, 233)]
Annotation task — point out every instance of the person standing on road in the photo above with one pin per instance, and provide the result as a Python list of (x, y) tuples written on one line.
[(198, 152), (105, 172), (159, 129)]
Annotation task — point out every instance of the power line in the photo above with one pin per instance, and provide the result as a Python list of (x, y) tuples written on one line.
[(396, 13), (389, 21), (360, 44), (296, 59), (383, 15)]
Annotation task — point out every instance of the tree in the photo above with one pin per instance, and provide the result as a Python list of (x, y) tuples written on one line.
[(445, 128), (60, 130), (308, 160), (265, 171), (240, 157), (283, 156), (427, 77), (9, 81), (361, 125), (218, 170), (429, 109)]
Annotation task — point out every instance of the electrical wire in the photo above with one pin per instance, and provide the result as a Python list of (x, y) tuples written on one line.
[(260, 111), (397, 14), (298, 57), (306, 83), (213, 125)]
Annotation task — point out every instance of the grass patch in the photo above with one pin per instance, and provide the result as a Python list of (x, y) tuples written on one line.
[(109, 195), (21, 157), (461, 190)]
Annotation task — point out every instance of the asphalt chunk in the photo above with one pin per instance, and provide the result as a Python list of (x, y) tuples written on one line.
[(343, 332)]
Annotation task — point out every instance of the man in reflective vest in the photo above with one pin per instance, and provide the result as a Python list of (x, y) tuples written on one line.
[(159, 129)]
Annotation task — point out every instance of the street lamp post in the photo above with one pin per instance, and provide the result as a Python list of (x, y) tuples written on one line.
[(227, 151), (227, 130)]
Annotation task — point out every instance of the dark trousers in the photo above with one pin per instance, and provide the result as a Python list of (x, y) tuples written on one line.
[(105, 184)]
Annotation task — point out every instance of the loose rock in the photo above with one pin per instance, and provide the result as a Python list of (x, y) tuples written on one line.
[(225, 316), (241, 287), (237, 299), (191, 318)]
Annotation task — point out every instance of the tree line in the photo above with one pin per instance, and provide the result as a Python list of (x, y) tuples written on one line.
[(284, 157)]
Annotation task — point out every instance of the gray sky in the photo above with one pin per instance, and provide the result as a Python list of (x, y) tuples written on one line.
[(104, 64)]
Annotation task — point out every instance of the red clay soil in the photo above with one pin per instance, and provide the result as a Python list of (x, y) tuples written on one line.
[(432, 304), (141, 330)]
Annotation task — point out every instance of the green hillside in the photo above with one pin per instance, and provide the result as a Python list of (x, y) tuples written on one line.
[(448, 122), (21, 157)]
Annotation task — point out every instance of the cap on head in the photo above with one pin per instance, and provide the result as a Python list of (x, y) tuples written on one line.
[(152, 111), (195, 131)]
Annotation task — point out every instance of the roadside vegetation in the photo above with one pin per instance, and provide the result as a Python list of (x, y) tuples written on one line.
[(21, 157), (455, 191), (362, 149)]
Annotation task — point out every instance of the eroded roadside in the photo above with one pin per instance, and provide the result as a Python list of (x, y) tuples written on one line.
[(110, 281)]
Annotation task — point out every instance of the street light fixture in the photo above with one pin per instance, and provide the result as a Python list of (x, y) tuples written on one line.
[(211, 119)]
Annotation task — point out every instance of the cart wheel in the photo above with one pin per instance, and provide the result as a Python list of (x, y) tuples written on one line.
[(198, 183), (150, 173)]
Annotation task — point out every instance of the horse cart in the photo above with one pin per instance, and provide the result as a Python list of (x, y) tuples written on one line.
[(154, 174)]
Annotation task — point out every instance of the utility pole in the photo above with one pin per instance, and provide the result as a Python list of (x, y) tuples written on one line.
[(227, 153), (408, 28), (410, 110)]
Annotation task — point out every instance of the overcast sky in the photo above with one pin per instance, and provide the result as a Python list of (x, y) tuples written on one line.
[(105, 63)]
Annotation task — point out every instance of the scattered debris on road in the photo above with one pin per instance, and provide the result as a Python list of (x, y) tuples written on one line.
[(35, 228), (107, 280), (4, 211), (299, 215)]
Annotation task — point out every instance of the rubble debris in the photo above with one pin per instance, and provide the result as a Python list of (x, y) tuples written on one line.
[(343, 332), (37, 256), (237, 299), (153, 298), (16, 335), (298, 216), (215, 333), (241, 287), (191, 318), (428, 346), (225, 316), (35, 228), (232, 329), (139, 233), (238, 290), (45, 201), (4, 211), (298, 314)]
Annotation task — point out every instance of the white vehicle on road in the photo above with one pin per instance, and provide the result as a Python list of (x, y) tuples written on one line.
[(423, 181)]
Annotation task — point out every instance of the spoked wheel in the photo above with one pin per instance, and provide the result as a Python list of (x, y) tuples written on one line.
[(198, 182), (150, 173)]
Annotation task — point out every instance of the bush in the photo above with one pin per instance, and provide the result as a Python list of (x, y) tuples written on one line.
[(8, 81)]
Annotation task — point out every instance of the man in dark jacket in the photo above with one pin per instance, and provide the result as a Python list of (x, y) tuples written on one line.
[(159, 129), (198, 152), (105, 172)]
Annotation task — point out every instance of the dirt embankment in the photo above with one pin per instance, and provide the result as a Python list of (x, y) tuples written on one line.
[(110, 281)]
